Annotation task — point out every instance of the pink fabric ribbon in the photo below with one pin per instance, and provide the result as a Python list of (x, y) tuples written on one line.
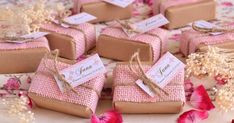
[(161, 6)]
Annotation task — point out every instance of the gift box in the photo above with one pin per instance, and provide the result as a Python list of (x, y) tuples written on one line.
[(182, 12), (45, 91), (128, 95), (192, 40), (22, 57), (98, 7), (71, 42), (114, 43)]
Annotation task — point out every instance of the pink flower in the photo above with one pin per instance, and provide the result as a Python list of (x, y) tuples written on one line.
[(200, 99), (227, 4), (111, 116), (221, 80), (12, 84), (192, 116)]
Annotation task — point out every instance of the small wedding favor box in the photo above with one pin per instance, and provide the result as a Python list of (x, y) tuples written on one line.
[(182, 12), (78, 91), (72, 42), (131, 92), (104, 10), (115, 43), (192, 40), (22, 56)]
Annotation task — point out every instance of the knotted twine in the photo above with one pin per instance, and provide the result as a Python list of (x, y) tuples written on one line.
[(55, 72), (206, 32), (140, 74), (127, 25)]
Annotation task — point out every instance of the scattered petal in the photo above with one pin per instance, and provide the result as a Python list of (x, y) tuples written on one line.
[(111, 116), (192, 116), (200, 99)]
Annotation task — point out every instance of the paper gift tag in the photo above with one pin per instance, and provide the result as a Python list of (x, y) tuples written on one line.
[(80, 18), (29, 37), (82, 72), (35, 35), (147, 25), (208, 25), (120, 3), (162, 72)]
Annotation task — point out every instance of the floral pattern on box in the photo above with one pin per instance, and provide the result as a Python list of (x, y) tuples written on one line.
[(12, 84)]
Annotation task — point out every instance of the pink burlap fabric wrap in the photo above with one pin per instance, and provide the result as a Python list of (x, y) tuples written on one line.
[(88, 29), (43, 84), (122, 75), (160, 6), (78, 3), (37, 43), (190, 40), (154, 41)]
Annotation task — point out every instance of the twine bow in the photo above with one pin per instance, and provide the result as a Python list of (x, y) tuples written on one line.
[(210, 30), (55, 71), (142, 75), (129, 28), (127, 25)]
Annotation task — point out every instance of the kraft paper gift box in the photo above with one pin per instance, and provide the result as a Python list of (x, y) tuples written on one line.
[(22, 57), (128, 95), (182, 12), (72, 43), (192, 40), (113, 43), (102, 10), (45, 92)]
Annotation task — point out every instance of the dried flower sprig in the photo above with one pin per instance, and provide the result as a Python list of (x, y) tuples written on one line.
[(18, 108), (225, 97), (20, 20), (213, 62)]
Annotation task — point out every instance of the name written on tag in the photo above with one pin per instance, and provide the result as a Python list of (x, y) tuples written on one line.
[(162, 72), (82, 72)]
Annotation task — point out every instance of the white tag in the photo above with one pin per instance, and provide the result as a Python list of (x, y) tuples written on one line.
[(162, 72), (120, 3), (208, 25), (80, 18), (82, 72), (151, 23), (35, 35), (147, 25), (30, 37)]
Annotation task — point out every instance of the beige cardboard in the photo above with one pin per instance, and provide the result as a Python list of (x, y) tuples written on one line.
[(149, 108), (21, 61), (65, 44), (60, 106), (181, 15), (225, 45), (122, 49), (106, 12)]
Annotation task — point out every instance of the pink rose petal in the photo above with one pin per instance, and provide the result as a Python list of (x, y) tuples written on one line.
[(192, 116), (200, 99), (111, 116)]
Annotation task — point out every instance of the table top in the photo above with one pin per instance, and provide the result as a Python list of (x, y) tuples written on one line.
[(48, 116)]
